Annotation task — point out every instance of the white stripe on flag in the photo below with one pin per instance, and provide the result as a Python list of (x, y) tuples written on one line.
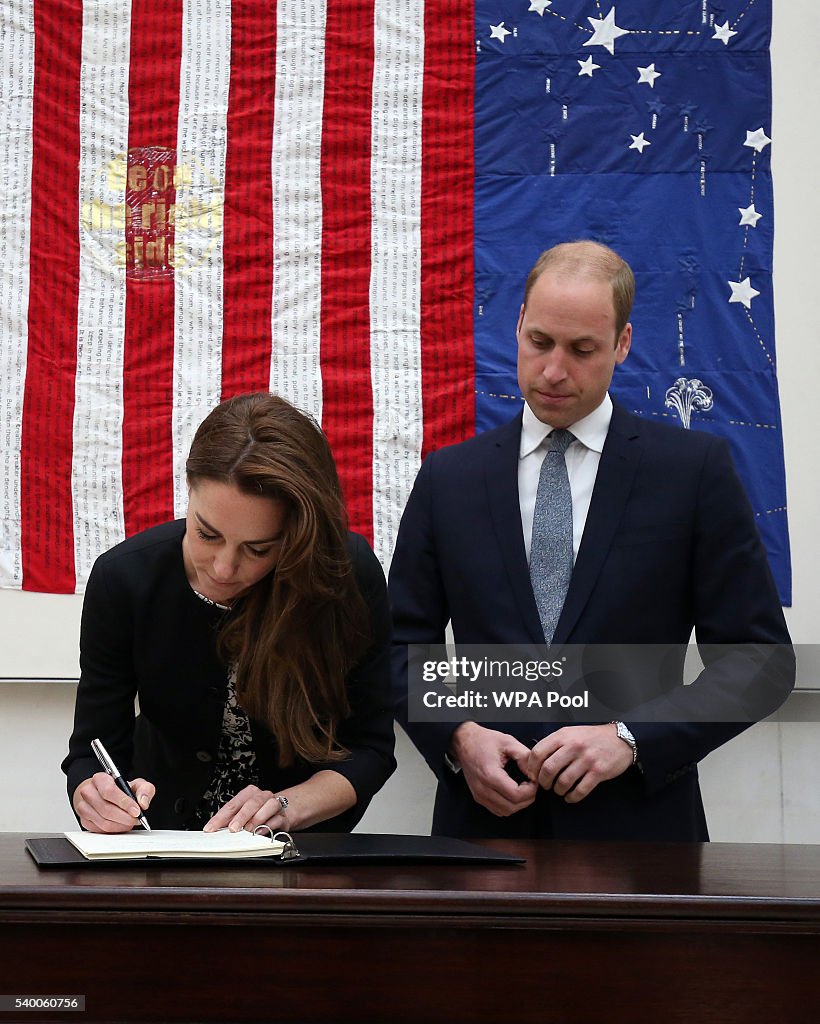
[(297, 203), (96, 470), (16, 154), (198, 287), (395, 331)]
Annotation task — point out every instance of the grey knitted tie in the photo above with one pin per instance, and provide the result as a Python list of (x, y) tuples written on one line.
[(551, 548)]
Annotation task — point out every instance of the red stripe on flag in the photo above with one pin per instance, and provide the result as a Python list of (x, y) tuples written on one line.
[(248, 225), (447, 354), (347, 402), (153, 96), (48, 405)]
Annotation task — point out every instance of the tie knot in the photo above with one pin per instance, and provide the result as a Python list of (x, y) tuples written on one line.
[(560, 440)]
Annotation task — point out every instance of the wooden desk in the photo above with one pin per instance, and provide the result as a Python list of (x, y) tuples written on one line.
[(584, 932)]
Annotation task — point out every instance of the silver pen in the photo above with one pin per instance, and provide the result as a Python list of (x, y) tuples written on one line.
[(105, 760)]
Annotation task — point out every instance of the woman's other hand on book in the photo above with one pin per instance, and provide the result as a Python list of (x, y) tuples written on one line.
[(250, 808), (102, 807), (322, 796)]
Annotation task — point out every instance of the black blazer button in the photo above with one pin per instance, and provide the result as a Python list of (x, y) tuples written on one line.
[(180, 805), (203, 756)]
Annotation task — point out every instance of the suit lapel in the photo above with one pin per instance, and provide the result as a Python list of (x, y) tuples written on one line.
[(501, 482), (613, 483)]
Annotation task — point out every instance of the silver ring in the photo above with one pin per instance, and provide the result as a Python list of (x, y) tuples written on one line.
[(283, 802)]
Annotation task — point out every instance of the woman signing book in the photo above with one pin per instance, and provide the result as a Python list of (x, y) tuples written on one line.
[(253, 636)]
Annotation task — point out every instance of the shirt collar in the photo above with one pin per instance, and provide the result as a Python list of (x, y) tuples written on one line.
[(591, 431)]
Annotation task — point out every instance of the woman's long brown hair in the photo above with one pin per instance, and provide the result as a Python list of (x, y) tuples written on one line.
[(298, 631)]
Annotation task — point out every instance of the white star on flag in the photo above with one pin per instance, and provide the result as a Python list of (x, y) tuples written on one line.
[(723, 33), (605, 32), (749, 215), (648, 75), (639, 142), (588, 66), (539, 6), (758, 140), (742, 291), (499, 32)]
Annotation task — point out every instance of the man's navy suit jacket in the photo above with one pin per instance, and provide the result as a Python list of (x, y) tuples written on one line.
[(670, 544)]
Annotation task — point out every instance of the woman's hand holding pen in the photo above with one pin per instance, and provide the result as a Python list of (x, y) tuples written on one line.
[(101, 805)]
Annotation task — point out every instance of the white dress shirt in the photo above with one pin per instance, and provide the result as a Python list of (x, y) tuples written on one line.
[(582, 458)]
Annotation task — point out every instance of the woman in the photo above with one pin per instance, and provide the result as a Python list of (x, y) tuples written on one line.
[(254, 635)]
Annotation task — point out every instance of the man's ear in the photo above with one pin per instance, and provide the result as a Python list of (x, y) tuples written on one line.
[(623, 344), (520, 320)]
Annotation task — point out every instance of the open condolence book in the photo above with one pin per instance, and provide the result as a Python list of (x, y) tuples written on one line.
[(138, 845), (72, 849)]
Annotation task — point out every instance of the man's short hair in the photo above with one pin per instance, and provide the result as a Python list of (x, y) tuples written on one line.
[(590, 259)]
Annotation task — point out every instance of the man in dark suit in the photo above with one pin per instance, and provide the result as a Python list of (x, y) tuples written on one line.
[(662, 541)]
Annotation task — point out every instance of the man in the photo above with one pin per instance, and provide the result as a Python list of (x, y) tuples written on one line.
[(660, 539)]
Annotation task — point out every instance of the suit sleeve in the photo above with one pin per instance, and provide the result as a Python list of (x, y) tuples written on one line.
[(421, 612), (739, 627)]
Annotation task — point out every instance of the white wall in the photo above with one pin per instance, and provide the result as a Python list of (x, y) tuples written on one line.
[(759, 788)]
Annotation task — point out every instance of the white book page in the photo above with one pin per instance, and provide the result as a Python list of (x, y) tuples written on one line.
[(171, 843)]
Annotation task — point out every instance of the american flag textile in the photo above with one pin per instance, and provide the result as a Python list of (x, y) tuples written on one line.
[(339, 201)]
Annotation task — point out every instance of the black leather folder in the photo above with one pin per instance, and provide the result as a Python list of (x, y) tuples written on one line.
[(308, 848)]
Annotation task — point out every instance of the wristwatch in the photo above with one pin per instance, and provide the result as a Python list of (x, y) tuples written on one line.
[(627, 737)]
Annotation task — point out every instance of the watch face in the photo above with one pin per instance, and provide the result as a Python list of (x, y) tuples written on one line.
[(627, 737)]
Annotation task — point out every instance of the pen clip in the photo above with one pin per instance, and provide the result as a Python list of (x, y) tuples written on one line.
[(104, 758)]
